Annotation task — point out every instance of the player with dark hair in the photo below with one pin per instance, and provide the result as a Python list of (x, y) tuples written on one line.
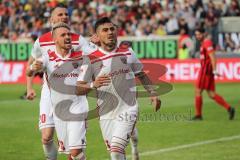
[(111, 70), (206, 77)]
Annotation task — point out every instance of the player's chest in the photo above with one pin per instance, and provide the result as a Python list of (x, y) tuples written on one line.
[(113, 66), (52, 48), (203, 53), (63, 67)]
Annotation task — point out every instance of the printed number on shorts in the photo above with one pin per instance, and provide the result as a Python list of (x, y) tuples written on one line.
[(43, 118)]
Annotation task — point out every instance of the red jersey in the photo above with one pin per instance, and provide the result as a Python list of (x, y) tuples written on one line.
[(206, 49), (206, 76)]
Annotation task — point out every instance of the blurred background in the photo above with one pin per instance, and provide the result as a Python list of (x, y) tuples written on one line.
[(158, 29), (26, 18), (162, 35)]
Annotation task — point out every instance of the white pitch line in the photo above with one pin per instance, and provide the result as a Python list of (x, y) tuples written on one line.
[(164, 150)]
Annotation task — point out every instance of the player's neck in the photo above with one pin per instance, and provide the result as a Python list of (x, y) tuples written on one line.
[(108, 48), (61, 51)]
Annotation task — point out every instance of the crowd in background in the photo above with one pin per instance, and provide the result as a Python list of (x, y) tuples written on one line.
[(25, 18)]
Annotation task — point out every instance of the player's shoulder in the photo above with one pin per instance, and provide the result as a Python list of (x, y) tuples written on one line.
[(76, 54), (75, 37), (124, 46), (46, 37), (207, 42), (51, 55), (97, 54)]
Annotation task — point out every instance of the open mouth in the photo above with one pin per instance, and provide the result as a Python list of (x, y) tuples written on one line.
[(65, 20), (111, 38), (67, 41)]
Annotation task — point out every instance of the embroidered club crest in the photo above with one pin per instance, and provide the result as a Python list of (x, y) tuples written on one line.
[(75, 65), (124, 59)]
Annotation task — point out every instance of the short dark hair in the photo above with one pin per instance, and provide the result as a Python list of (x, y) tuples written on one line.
[(201, 30), (102, 21), (60, 5)]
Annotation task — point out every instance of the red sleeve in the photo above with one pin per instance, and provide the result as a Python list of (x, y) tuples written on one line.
[(208, 46)]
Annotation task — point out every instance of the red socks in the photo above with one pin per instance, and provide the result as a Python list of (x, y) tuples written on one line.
[(217, 98), (198, 105), (221, 101)]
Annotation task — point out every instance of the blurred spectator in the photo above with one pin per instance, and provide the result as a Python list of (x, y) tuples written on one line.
[(183, 52), (160, 30), (234, 8), (172, 25), (211, 24), (183, 25), (229, 44), (185, 45), (133, 18)]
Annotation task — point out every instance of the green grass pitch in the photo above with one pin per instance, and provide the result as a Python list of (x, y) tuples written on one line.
[(161, 135)]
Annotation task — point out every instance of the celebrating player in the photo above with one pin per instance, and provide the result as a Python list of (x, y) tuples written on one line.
[(41, 46), (134, 136), (206, 77), (71, 134), (112, 70)]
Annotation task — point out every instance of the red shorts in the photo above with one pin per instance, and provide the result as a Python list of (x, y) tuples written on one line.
[(206, 82)]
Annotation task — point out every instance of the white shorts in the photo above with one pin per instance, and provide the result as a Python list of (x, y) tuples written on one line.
[(46, 116), (71, 135), (117, 132)]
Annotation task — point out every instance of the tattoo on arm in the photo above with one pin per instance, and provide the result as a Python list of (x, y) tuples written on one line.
[(147, 83)]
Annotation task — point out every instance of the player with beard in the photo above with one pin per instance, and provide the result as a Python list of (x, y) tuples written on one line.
[(111, 70)]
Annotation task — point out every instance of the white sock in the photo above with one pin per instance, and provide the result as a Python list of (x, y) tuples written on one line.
[(80, 156), (117, 156), (50, 150)]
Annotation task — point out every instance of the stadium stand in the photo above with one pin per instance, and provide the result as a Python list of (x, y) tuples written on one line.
[(24, 18)]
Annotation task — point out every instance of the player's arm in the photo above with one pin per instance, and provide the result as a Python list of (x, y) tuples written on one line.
[(213, 61), (137, 68), (149, 87), (33, 63), (212, 56), (30, 72), (84, 87), (85, 82), (31, 94)]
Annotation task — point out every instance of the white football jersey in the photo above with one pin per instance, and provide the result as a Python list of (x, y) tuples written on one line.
[(121, 65), (45, 43), (61, 77)]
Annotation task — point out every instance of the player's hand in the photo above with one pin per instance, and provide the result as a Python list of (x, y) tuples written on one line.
[(94, 39), (100, 81), (31, 94), (37, 66), (156, 102)]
